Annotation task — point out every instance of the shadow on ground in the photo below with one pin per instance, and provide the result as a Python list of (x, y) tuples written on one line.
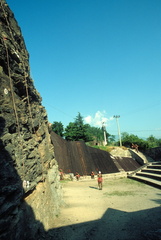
[(94, 187), (114, 225)]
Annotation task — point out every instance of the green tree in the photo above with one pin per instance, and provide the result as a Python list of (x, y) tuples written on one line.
[(77, 130), (159, 142), (70, 132), (58, 128), (152, 141), (98, 134), (111, 139), (128, 139), (79, 120)]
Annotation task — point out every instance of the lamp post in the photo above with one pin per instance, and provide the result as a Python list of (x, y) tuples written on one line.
[(118, 127), (104, 131)]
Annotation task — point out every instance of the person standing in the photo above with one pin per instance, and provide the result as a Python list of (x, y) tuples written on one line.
[(77, 176), (61, 174), (99, 179), (92, 175)]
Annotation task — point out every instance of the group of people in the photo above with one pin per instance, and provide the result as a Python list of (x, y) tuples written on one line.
[(99, 178), (61, 174), (77, 175)]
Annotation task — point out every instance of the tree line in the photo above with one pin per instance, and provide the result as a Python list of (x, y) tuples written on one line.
[(150, 142), (78, 131)]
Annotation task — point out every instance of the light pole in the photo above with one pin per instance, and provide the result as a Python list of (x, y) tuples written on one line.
[(104, 131), (118, 127)]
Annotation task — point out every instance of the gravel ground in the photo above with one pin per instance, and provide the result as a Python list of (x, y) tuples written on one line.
[(123, 210)]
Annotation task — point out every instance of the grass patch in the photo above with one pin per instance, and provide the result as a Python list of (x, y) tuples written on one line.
[(65, 181), (122, 180), (132, 182), (104, 148), (120, 193)]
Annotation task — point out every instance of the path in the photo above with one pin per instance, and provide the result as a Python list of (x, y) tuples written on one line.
[(123, 210)]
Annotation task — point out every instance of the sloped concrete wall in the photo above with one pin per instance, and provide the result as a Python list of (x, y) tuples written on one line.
[(76, 156)]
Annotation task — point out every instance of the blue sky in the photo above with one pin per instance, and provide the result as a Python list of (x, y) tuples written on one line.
[(97, 57)]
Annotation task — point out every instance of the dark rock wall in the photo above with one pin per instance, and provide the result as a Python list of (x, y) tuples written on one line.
[(26, 153)]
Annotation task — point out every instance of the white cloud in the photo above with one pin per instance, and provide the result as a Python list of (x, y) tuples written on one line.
[(98, 119), (88, 119)]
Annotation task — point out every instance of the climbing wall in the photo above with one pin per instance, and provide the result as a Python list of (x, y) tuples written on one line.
[(26, 153), (76, 156)]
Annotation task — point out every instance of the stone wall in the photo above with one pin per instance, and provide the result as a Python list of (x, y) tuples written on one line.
[(29, 171)]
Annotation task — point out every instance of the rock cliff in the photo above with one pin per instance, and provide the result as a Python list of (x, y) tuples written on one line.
[(29, 186)]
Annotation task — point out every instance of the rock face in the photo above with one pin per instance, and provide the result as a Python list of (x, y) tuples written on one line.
[(28, 169)]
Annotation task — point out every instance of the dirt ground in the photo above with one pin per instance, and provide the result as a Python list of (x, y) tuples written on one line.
[(123, 210)]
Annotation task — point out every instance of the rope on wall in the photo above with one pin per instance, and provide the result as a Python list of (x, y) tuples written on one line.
[(14, 106), (21, 59), (11, 86), (27, 95)]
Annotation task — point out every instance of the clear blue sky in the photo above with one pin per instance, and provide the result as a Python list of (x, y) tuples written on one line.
[(97, 57)]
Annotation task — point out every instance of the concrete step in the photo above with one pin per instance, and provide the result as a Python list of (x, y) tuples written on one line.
[(157, 166), (149, 181), (152, 170), (156, 163), (149, 175)]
